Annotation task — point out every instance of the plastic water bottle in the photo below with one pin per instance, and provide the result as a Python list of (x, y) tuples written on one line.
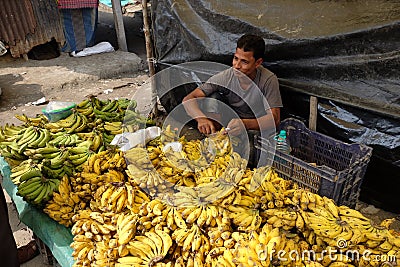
[(282, 144)]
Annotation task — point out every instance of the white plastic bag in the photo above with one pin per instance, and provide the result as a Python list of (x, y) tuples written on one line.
[(175, 146), (127, 140), (103, 47)]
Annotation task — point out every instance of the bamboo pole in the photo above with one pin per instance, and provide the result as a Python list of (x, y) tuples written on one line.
[(150, 57), (119, 25), (312, 122)]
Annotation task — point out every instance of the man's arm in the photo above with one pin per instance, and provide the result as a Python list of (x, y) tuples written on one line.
[(268, 121), (191, 106)]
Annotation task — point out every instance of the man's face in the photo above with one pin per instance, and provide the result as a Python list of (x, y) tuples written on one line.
[(245, 62)]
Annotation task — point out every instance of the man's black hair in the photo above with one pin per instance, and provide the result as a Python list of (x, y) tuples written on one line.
[(253, 43)]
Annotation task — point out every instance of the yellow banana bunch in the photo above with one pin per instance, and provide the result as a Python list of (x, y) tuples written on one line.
[(156, 213), (198, 207), (252, 251), (106, 253), (138, 156), (93, 237), (190, 239), (215, 190), (111, 197), (98, 230), (83, 250), (219, 143), (151, 181), (154, 152), (126, 228), (64, 203), (203, 215), (114, 127), (192, 150), (231, 199), (38, 121), (105, 160), (89, 178), (150, 248), (283, 217), (242, 216)]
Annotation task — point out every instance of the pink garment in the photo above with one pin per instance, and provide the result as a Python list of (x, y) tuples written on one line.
[(72, 4)]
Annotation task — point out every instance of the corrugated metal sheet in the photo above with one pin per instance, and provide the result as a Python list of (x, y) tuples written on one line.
[(25, 24)]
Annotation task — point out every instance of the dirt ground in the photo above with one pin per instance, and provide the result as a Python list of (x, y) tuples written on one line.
[(106, 76)]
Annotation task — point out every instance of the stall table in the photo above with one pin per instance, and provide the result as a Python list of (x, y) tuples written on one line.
[(54, 235)]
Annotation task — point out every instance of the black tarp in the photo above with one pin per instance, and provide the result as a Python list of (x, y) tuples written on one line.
[(345, 52)]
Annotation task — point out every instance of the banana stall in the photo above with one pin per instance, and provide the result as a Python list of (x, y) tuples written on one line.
[(93, 204)]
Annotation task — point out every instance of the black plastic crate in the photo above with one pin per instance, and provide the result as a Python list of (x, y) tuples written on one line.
[(320, 163)]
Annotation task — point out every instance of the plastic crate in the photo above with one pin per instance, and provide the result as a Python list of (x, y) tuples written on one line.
[(320, 163)]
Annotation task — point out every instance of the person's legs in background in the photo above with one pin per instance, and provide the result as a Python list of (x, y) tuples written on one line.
[(79, 28)]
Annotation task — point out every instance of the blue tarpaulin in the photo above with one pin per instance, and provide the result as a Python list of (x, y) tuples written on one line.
[(108, 2)]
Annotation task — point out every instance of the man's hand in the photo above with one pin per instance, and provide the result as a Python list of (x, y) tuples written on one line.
[(236, 127), (205, 126)]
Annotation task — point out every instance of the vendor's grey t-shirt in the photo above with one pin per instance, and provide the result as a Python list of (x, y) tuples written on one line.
[(252, 101)]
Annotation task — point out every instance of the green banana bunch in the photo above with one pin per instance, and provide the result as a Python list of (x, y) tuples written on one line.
[(42, 153), (93, 139), (32, 137), (130, 116), (58, 160), (32, 172), (124, 103), (79, 124), (108, 137), (64, 139), (11, 151), (44, 136), (74, 123), (85, 108), (97, 103), (133, 118), (23, 168), (53, 173), (107, 115), (37, 190), (78, 155), (97, 123), (110, 106), (9, 130)]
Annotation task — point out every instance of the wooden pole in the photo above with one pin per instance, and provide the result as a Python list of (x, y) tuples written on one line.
[(149, 48), (312, 122), (119, 25), (150, 57)]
